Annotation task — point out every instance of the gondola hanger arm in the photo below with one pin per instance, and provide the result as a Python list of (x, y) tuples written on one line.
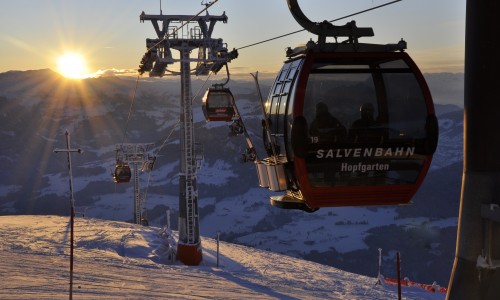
[(325, 28), (228, 76)]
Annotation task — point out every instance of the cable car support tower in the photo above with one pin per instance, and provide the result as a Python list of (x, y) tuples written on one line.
[(136, 155), (185, 33)]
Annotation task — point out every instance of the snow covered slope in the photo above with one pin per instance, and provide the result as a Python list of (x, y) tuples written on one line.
[(115, 260)]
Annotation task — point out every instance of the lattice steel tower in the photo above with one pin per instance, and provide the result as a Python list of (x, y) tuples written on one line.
[(186, 33)]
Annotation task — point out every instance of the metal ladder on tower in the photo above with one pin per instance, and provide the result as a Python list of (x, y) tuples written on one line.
[(137, 204), (189, 163)]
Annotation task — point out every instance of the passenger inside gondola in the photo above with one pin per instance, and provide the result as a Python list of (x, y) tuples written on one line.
[(326, 127), (366, 130), (367, 116)]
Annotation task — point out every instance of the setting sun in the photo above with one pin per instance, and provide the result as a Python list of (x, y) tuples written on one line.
[(72, 65)]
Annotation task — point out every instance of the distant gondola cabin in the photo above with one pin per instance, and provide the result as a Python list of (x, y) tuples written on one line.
[(122, 173), (217, 104)]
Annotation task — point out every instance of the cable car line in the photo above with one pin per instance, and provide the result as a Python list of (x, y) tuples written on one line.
[(167, 138), (334, 20), (130, 109), (202, 86), (122, 172), (155, 155)]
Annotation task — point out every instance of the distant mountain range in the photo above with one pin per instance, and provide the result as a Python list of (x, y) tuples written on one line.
[(37, 107)]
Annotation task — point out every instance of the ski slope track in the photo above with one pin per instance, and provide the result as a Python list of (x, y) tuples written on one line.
[(117, 260)]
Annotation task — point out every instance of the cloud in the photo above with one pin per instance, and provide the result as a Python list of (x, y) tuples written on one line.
[(445, 59), (242, 74), (114, 72)]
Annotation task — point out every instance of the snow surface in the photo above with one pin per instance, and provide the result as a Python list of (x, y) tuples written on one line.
[(116, 260)]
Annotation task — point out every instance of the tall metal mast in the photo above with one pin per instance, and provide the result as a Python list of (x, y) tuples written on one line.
[(185, 33)]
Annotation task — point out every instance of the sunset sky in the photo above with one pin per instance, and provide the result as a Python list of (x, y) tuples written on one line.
[(107, 34)]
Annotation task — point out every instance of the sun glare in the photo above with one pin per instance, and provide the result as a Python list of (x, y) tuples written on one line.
[(72, 65)]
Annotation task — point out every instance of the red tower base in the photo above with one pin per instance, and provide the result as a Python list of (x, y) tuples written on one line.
[(190, 255)]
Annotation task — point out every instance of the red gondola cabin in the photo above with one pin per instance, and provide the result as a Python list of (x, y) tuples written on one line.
[(217, 104), (122, 173), (349, 129)]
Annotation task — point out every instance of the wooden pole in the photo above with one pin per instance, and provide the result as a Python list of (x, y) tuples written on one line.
[(68, 150), (218, 238), (399, 274)]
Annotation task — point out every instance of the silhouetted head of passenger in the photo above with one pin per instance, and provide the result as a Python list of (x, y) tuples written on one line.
[(367, 111), (321, 108)]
